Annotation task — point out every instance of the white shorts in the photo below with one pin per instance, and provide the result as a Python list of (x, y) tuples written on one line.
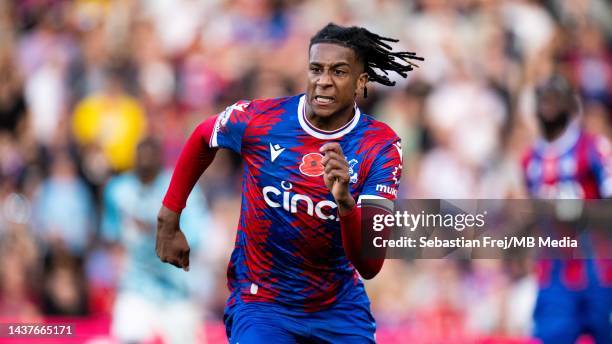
[(138, 319)]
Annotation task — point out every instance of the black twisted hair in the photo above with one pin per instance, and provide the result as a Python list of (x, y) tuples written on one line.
[(371, 50)]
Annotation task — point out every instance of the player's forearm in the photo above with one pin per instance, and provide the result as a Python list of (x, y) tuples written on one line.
[(345, 205), (193, 161), (168, 220), (350, 225)]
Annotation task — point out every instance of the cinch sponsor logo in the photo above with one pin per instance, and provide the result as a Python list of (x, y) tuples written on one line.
[(288, 200), (386, 189)]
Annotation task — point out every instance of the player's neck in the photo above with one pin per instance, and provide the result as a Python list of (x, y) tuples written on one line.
[(330, 123)]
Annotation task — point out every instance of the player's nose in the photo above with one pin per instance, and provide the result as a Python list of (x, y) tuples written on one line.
[(324, 79)]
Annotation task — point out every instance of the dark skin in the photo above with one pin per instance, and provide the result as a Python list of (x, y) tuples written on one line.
[(148, 163), (553, 112), (334, 72), (335, 77), (171, 245)]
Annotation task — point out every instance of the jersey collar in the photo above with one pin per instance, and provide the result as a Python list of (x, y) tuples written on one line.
[(563, 143), (325, 134)]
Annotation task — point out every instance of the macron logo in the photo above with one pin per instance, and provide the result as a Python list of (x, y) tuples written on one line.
[(275, 151)]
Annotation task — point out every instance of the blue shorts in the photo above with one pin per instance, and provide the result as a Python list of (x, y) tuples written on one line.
[(561, 314), (250, 323)]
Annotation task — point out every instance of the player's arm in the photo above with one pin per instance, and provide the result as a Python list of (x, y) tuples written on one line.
[(337, 179), (171, 245)]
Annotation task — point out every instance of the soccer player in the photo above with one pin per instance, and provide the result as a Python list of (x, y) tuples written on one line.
[(575, 296), (154, 300), (308, 160)]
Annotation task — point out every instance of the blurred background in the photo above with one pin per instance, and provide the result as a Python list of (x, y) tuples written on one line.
[(98, 96)]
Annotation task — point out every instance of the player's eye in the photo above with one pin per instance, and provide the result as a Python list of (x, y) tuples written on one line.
[(315, 69), (340, 72)]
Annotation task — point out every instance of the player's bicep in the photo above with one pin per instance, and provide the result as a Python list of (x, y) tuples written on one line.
[(230, 126)]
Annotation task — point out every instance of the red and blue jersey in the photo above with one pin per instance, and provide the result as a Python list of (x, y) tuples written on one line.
[(288, 247), (576, 165)]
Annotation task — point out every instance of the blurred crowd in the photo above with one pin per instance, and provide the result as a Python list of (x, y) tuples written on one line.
[(83, 82)]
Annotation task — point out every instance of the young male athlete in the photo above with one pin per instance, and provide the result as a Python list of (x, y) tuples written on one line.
[(575, 296), (308, 160)]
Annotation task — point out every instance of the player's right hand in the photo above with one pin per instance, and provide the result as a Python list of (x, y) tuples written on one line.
[(171, 245)]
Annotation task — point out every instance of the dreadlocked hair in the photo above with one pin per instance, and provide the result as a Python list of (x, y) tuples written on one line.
[(371, 50)]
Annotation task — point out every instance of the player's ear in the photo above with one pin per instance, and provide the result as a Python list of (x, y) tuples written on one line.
[(362, 80)]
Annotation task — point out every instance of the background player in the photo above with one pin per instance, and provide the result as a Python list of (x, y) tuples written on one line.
[(181, 61), (308, 160), (154, 300), (575, 296)]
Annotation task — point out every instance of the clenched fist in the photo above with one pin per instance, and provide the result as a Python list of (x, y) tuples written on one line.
[(336, 176), (171, 245)]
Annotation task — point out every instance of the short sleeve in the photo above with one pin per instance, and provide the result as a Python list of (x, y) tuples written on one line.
[(384, 175), (230, 126)]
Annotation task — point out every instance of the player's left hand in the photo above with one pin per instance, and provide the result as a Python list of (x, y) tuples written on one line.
[(336, 175)]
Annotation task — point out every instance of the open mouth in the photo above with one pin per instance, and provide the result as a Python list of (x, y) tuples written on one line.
[(323, 100)]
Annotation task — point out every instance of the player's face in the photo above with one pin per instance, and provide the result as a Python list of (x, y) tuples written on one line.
[(334, 78), (551, 106), (148, 161)]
